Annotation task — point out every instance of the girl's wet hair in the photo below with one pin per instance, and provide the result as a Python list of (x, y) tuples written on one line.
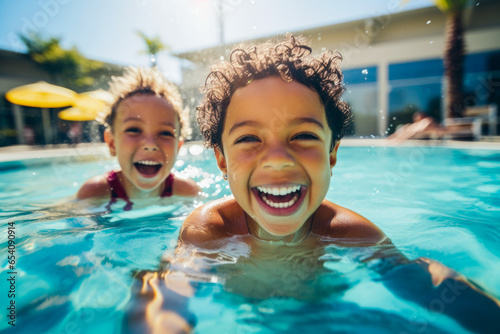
[(290, 59), (146, 81)]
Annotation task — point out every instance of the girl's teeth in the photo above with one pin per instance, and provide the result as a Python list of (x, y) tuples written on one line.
[(149, 163)]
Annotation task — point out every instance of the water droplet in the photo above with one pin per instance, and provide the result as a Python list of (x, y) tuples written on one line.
[(365, 71), (221, 57), (75, 184), (428, 22), (477, 4), (394, 118), (34, 173), (254, 27), (431, 42), (319, 38)]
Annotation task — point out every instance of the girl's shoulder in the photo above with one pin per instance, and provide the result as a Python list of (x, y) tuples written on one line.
[(97, 186), (185, 187)]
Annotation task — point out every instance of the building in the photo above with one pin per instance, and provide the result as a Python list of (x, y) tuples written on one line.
[(392, 63), (24, 125)]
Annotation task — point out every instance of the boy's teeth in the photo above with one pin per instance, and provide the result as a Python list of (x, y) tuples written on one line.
[(281, 205), (278, 191), (149, 163)]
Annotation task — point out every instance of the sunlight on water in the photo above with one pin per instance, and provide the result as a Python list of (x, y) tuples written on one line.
[(77, 261)]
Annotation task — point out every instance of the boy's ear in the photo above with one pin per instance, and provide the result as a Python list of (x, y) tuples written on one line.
[(333, 155), (110, 140), (221, 161)]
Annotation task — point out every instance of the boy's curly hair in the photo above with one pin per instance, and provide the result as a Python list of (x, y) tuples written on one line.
[(138, 80), (291, 59)]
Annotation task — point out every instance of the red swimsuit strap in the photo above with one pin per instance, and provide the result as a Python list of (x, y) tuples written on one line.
[(117, 190), (169, 185)]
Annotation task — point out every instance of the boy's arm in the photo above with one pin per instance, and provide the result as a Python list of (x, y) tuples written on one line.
[(94, 187), (209, 223), (441, 289), (346, 226)]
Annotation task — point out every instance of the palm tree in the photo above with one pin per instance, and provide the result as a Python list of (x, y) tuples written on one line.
[(454, 54), (66, 67), (154, 45)]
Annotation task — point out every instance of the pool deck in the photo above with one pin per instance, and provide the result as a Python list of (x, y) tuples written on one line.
[(100, 150)]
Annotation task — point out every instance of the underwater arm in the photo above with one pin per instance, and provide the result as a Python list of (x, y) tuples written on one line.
[(443, 290), (160, 299), (159, 304)]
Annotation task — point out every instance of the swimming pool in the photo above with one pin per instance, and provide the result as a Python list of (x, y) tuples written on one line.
[(74, 265)]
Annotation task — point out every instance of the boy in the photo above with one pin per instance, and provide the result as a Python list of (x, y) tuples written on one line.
[(274, 118)]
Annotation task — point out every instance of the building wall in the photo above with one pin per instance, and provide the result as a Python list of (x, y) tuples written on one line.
[(375, 45)]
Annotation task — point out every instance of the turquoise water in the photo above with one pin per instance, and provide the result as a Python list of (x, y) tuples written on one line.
[(75, 264)]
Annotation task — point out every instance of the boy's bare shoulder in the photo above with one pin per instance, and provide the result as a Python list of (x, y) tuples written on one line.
[(94, 187), (338, 222), (215, 220), (185, 187)]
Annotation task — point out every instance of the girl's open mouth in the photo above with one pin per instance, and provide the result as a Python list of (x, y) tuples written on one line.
[(147, 168), (280, 200)]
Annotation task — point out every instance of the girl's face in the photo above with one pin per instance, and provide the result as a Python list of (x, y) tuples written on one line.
[(146, 141), (277, 155)]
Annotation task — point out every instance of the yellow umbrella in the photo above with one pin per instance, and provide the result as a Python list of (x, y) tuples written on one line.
[(94, 100), (78, 114), (41, 95)]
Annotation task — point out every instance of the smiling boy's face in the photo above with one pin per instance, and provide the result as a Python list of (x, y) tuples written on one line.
[(276, 143)]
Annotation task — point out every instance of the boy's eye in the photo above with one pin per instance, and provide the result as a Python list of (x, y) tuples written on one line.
[(133, 130), (305, 136), (247, 139)]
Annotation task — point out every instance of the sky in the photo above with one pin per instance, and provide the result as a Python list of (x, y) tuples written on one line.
[(106, 30)]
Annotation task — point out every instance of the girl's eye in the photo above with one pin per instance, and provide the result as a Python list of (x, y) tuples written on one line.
[(305, 136), (167, 134), (247, 139), (133, 130)]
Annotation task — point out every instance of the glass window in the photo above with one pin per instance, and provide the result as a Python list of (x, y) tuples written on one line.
[(416, 69), (362, 95), (414, 86)]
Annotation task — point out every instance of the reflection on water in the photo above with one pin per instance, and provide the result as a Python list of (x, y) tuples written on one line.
[(77, 261)]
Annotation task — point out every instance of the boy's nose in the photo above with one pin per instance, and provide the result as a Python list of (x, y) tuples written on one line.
[(278, 157)]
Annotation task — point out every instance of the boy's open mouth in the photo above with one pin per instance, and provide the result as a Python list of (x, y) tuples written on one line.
[(280, 200), (148, 168)]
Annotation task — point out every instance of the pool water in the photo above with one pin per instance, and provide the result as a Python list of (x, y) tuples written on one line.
[(75, 263)]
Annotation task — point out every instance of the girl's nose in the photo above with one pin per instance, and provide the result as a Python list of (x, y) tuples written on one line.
[(150, 144), (278, 157), (150, 147)]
